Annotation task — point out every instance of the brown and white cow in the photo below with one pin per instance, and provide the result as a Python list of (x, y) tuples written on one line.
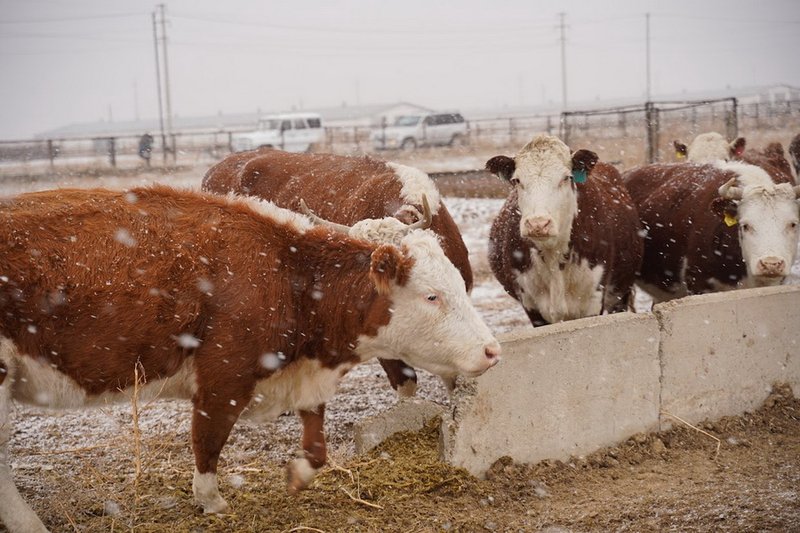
[(714, 227), (794, 157), (346, 190), (244, 308), (567, 241), (710, 147)]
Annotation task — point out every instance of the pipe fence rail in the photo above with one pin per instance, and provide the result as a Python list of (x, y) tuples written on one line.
[(629, 135)]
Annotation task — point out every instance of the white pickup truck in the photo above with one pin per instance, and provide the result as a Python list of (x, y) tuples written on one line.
[(293, 132)]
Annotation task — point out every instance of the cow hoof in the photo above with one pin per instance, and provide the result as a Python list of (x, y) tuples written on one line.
[(407, 389), (206, 494), (218, 506), (299, 474)]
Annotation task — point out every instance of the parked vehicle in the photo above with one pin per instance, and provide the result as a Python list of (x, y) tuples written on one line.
[(295, 132), (411, 131)]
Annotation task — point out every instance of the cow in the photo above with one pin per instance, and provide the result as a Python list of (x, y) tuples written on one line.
[(713, 226), (772, 159), (794, 157), (244, 308), (710, 147), (567, 241), (345, 190)]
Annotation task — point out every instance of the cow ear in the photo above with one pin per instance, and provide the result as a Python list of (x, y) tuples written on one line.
[(725, 209), (501, 166), (388, 265), (681, 151), (583, 161), (737, 147), (775, 151)]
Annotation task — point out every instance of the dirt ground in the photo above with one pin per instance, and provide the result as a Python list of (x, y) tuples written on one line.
[(736, 474), (96, 471)]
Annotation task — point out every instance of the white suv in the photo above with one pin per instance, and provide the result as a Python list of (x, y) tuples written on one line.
[(295, 132), (411, 131)]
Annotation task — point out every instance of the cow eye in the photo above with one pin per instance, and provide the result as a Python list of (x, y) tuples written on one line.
[(514, 181), (746, 227), (431, 297), (793, 225)]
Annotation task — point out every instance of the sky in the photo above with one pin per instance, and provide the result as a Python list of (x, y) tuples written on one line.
[(75, 61)]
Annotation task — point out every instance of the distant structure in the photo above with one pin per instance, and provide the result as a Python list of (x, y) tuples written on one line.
[(373, 115)]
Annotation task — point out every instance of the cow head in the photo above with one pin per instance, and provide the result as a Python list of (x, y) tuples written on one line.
[(710, 147), (433, 323), (546, 177), (767, 216)]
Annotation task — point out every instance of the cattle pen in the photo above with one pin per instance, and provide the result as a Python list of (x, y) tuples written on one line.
[(592, 402)]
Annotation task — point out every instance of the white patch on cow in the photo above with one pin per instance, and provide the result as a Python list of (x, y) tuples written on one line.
[(386, 230), (15, 513), (708, 148), (37, 382), (545, 192), (301, 473), (302, 385), (297, 221), (433, 324), (768, 222), (561, 294), (416, 183), (206, 493)]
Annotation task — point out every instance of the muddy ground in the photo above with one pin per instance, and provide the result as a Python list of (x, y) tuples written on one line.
[(98, 471)]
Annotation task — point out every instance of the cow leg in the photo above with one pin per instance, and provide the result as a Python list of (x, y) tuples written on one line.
[(15, 513), (301, 471), (215, 413), (402, 377)]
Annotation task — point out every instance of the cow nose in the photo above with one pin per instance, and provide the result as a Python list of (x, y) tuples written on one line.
[(771, 266), (492, 352), (538, 226)]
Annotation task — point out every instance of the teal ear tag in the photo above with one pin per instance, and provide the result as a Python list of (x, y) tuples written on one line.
[(579, 176)]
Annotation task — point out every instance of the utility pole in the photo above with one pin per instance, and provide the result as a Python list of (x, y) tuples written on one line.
[(563, 63), (166, 80), (647, 47), (158, 84)]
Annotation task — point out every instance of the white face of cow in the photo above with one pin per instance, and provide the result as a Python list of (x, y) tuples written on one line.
[(433, 322), (768, 218), (542, 174), (710, 147)]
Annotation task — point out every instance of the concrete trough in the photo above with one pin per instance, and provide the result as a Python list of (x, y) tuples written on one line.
[(571, 388)]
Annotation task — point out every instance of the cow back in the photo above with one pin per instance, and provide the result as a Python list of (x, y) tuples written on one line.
[(341, 189)]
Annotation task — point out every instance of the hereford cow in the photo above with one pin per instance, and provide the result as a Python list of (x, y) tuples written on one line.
[(794, 157), (713, 227), (244, 308), (710, 147), (773, 160), (345, 190), (566, 244)]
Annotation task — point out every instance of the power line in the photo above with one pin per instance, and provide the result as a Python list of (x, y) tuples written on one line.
[(72, 19), (364, 31)]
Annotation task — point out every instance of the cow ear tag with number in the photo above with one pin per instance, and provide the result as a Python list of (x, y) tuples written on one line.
[(730, 221), (579, 176)]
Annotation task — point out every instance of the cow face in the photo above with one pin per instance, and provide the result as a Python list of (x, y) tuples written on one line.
[(545, 175), (767, 217), (433, 323), (710, 147)]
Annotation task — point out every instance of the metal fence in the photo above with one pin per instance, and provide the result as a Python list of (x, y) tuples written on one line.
[(628, 135)]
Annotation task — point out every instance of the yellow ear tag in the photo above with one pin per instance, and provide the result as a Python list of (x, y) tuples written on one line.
[(730, 221), (679, 155)]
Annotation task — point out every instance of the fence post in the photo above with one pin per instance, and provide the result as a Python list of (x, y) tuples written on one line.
[(510, 131), (230, 141), (564, 128), (651, 121), (549, 125), (51, 153), (732, 122), (112, 151)]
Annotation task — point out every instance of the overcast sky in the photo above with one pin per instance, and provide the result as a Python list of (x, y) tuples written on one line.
[(72, 61)]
